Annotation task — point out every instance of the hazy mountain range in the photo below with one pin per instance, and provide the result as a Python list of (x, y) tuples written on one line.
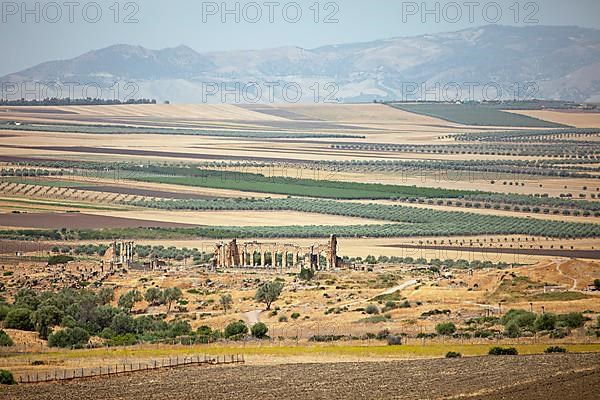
[(549, 62)]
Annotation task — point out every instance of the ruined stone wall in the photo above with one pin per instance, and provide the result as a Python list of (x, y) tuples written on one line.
[(282, 255)]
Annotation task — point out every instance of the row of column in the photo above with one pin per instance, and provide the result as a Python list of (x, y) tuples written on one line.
[(126, 250), (248, 260)]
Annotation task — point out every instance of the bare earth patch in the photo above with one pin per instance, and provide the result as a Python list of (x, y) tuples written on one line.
[(563, 377)]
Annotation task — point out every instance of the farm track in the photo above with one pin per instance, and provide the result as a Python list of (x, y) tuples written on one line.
[(549, 377)]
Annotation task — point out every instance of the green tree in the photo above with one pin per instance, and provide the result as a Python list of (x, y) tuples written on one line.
[(512, 330), (44, 318), (372, 309), (5, 340), (445, 328), (180, 328), (545, 322), (68, 337), (236, 328), (153, 296), (123, 323), (170, 295), (19, 318), (572, 320), (4, 310), (226, 301), (6, 378), (268, 293), (259, 330), (128, 300), (27, 298), (106, 295), (597, 284), (306, 274)]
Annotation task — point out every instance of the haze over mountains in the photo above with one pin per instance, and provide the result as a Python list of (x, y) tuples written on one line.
[(549, 62)]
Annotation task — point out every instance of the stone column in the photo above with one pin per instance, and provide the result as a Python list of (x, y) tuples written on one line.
[(262, 258), (284, 259), (295, 259)]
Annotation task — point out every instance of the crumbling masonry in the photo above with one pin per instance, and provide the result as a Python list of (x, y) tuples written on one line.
[(120, 254), (277, 255)]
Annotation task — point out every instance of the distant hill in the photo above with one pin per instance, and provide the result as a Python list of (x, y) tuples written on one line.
[(564, 63)]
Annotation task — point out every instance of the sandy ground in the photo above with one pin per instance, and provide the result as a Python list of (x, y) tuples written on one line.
[(240, 218), (572, 118)]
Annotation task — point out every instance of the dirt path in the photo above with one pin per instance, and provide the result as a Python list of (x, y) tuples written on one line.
[(402, 286), (574, 287), (391, 290), (252, 317)]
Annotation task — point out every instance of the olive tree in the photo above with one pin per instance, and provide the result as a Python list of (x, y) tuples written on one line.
[(268, 293)]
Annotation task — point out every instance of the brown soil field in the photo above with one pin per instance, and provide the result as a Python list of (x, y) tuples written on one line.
[(573, 118), (79, 221), (13, 246), (551, 377)]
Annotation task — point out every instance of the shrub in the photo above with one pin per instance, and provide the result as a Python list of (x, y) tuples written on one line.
[(372, 309), (512, 330), (545, 322), (405, 304), (6, 378), (69, 337), (5, 340), (383, 334), (283, 318), (572, 320), (394, 340), (445, 328), (235, 329), (503, 351), (555, 349), (306, 274), (453, 354), (259, 330), (122, 323), (4, 310), (375, 319), (59, 259), (295, 315), (519, 317), (19, 318), (128, 339)]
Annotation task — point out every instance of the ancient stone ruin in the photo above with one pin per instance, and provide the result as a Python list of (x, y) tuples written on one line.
[(277, 256), (119, 254)]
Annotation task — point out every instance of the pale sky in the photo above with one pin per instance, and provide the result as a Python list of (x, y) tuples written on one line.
[(65, 31)]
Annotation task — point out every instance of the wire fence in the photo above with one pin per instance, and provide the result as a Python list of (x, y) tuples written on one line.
[(126, 368)]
